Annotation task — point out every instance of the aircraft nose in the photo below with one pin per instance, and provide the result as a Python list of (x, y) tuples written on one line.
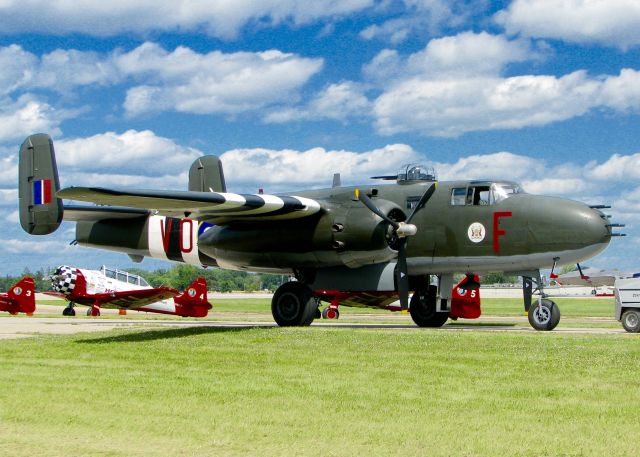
[(591, 226)]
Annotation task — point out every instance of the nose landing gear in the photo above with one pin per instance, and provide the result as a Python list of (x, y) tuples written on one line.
[(543, 314)]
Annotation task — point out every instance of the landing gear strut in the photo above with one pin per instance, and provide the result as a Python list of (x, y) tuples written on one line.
[(293, 305)]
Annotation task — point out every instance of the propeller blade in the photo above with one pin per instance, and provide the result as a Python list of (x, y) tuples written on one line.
[(374, 209), (423, 200), (402, 276)]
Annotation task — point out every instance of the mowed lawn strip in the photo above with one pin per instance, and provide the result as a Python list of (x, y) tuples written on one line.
[(319, 392)]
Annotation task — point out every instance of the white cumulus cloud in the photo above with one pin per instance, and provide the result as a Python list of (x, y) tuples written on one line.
[(457, 85), (135, 151), (609, 22), (312, 167), (28, 114), (186, 81), (337, 102), (222, 18)]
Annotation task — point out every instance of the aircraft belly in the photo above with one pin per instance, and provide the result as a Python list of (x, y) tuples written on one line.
[(485, 264)]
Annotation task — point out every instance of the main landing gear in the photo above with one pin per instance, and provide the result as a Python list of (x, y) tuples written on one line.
[(294, 305), (423, 307), (69, 310)]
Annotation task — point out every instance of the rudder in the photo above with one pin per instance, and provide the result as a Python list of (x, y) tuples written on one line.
[(40, 210)]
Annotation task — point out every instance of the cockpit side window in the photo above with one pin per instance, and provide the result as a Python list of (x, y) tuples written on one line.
[(482, 196), (458, 196)]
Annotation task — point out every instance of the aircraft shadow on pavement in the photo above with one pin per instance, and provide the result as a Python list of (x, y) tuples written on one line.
[(151, 335)]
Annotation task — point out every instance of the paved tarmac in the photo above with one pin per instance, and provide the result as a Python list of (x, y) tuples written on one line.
[(22, 327)]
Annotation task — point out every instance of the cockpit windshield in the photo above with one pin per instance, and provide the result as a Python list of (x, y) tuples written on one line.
[(483, 193), (505, 190)]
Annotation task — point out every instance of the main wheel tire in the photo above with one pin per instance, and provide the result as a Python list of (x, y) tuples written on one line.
[(544, 317), (68, 311), (422, 308), (631, 321), (293, 305)]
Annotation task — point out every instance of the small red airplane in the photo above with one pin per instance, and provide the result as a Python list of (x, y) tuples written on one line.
[(110, 288), (21, 298)]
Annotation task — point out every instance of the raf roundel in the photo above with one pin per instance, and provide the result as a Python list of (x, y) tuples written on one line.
[(476, 232), (17, 290), (191, 292)]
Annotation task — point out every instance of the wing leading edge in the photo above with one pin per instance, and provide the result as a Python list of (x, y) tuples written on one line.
[(219, 207)]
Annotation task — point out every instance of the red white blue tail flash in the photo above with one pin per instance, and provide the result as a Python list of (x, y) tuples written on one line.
[(42, 192)]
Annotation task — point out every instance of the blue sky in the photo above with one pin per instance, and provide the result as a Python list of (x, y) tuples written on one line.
[(545, 92)]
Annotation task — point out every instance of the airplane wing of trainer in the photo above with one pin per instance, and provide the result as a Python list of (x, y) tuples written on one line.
[(130, 299), (217, 207)]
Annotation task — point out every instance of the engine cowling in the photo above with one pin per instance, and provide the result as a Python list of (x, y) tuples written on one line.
[(356, 228)]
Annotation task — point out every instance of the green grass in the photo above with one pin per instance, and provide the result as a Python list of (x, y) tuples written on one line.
[(319, 392)]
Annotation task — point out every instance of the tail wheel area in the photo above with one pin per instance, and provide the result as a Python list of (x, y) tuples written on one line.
[(293, 305), (544, 316), (422, 308), (631, 321)]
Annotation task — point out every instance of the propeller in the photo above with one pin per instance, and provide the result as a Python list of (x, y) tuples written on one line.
[(402, 230)]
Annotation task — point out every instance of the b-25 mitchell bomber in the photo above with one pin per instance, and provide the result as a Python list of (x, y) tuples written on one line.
[(375, 242)]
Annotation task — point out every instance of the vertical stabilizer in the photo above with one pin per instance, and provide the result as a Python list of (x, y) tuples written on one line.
[(21, 298), (205, 175), (193, 302), (40, 210)]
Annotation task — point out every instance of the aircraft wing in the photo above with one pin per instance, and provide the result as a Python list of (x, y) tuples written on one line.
[(133, 299), (93, 213), (217, 207)]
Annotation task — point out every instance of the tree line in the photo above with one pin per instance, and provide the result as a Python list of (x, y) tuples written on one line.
[(180, 276)]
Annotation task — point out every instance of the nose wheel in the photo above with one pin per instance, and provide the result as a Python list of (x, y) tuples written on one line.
[(544, 315)]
